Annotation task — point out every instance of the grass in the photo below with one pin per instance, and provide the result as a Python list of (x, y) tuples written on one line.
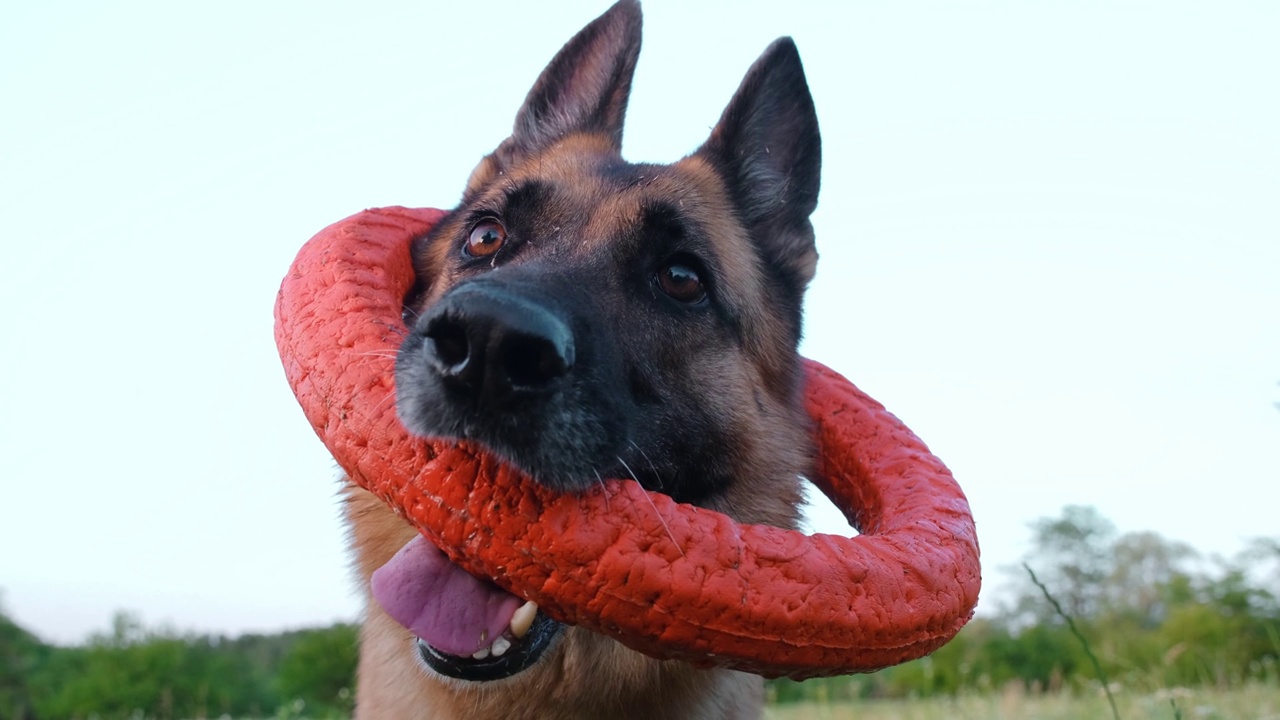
[(1256, 701)]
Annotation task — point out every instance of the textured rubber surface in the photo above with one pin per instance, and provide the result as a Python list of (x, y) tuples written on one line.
[(670, 580)]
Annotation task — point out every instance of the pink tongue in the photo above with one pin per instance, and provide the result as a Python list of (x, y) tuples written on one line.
[(440, 602)]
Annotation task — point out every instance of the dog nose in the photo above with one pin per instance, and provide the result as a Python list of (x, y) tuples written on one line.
[(496, 346)]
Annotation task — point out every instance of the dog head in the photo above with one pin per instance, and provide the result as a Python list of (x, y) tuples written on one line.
[(583, 317)]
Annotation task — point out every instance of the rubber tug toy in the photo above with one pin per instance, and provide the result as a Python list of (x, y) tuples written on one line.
[(686, 583)]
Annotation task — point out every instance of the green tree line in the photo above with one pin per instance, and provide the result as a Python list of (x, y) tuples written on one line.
[(1156, 614), (136, 672)]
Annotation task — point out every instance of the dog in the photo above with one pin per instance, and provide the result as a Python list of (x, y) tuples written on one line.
[(582, 317)]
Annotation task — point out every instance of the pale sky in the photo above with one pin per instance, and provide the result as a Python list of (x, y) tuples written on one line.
[(1050, 239)]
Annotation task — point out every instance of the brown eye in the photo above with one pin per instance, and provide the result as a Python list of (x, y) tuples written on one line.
[(681, 282), (486, 239)]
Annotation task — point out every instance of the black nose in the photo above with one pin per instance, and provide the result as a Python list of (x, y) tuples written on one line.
[(496, 346)]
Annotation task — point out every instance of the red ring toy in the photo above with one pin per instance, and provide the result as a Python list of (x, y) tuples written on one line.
[(669, 580)]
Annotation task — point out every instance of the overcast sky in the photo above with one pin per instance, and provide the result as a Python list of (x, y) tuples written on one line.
[(1050, 239)]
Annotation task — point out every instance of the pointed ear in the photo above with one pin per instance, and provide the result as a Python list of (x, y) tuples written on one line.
[(768, 148), (586, 86)]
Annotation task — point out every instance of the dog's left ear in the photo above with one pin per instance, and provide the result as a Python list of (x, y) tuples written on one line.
[(768, 148)]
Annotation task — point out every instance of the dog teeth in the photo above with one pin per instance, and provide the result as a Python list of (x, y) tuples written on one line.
[(500, 646), (480, 654), (523, 619)]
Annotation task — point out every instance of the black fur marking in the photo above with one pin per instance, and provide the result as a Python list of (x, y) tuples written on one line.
[(669, 233), (521, 209)]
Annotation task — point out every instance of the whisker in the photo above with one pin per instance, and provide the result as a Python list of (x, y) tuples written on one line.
[(391, 397), (627, 468), (604, 489), (657, 477), (397, 328), (655, 507)]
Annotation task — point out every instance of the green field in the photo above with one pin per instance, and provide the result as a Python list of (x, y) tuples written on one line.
[(1255, 701)]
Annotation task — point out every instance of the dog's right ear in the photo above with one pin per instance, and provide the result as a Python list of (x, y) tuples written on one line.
[(584, 89), (586, 85), (769, 150)]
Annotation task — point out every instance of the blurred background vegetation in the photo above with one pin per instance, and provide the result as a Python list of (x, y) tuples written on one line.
[(1158, 616)]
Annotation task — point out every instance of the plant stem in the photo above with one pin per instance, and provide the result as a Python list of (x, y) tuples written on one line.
[(1071, 625)]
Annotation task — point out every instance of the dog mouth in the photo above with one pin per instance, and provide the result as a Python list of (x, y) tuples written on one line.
[(517, 657), (465, 627)]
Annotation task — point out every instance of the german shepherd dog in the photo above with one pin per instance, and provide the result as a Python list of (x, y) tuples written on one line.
[(583, 317)]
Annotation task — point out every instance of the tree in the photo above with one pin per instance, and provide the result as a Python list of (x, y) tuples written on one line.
[(20, 653), (1071, 554), (1147, 576), (320, 668), (1260, 559)]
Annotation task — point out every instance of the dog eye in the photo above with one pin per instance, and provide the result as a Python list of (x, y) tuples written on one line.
[(681, 282), (486, 239)]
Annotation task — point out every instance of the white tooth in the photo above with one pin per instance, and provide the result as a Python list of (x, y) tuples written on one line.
[(500, 646), (480, 654), (523, 618)]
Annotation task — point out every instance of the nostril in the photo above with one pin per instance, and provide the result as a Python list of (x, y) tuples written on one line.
[(533, 362), (448, 340), (493, 347)]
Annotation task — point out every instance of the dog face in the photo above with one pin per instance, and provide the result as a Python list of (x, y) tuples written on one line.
[(583, 317)]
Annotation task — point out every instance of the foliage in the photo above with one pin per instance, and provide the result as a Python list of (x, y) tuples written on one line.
[(1155, 613), (20, 654), (1158, 617), (136, 672), (319, 670)]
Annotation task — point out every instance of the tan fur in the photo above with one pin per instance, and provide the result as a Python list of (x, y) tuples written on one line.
[(585, 676)]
